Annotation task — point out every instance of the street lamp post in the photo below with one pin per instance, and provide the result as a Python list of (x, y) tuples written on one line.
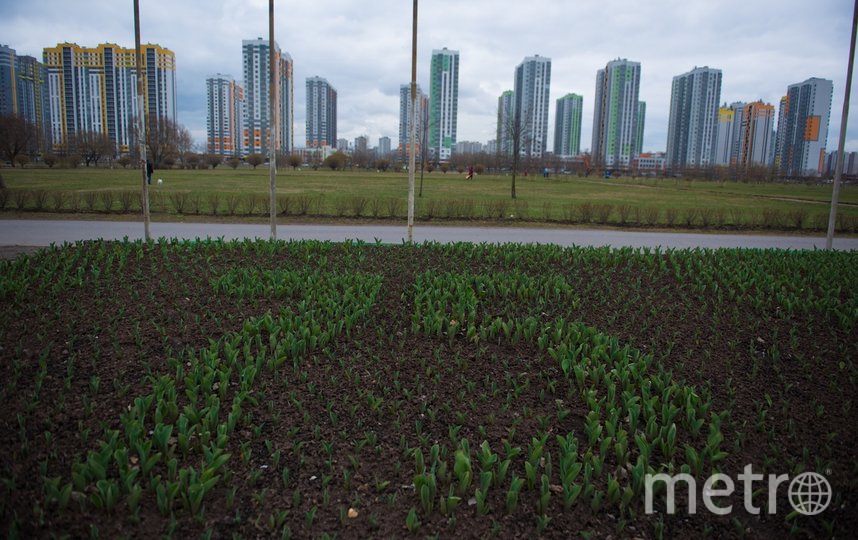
[(272, 123), (413, 146), (141, 123), (835, 193)]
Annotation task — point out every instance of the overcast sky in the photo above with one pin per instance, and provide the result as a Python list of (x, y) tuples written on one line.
[(363, 48)]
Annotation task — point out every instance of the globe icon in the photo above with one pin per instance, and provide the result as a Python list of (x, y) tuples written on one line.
[(809, 493)]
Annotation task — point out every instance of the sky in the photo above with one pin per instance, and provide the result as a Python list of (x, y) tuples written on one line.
[(363, 49)]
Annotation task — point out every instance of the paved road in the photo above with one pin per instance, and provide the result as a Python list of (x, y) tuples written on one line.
[(46, 232)]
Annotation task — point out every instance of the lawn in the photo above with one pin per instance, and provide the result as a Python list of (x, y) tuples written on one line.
[(557, 199), (320, 390)]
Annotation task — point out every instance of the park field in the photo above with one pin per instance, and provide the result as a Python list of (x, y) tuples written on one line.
[(643, 202)]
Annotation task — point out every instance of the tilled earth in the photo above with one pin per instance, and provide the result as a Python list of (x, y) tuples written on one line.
[(788, 384)]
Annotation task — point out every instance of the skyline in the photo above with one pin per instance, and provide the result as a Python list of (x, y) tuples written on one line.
[(367, 51)]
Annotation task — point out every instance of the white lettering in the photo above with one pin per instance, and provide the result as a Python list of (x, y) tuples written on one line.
[(709, 492), (774, 482), (670, 482), (748, 477)]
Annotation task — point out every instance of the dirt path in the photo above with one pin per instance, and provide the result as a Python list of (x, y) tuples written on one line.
[(10, 252)]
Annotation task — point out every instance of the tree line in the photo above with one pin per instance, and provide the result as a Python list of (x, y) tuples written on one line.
[(169, 145)]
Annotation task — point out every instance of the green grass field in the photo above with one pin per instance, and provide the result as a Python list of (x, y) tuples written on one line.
[(618, 201)]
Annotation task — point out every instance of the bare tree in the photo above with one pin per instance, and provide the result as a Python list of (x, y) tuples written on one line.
[(16, 135), (184, 143), (382, 165), (459, 162), (361, 159), (255, 160), (93, 146), (213, 159), (587, 163), (191, 159), (295, 160), (162, 140), (518, 130)]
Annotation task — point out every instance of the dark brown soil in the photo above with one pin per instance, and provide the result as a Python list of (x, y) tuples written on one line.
[(124, 328)]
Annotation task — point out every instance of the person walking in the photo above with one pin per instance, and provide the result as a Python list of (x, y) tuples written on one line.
[(149, 170), (470, 173)]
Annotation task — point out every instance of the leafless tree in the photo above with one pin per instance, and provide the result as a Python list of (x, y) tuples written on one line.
[(191, 160), (16, 136), (382, 165), (93, 146), (163, 138), (214, 160), (255, 160), (361, 159), (184, 143), (519, 130)]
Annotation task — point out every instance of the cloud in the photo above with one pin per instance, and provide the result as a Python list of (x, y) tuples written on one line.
[(364, 49)]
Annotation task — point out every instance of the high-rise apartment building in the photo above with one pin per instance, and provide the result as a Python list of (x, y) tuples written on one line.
[(224, 115), (641, 123), (443, 103), (286, 93), (361, 144), (780, 135), (406, 118), (160, 83), (468, 147), (692, 129), (531, 97), (8, 81), (506, 105), (745, 135), (755, 123), (94, 90), (257, 122), (383, 147), (567, 125), (724, 143), (24, 92), (803, 127), (850, 164), (616, 114), (321, 114)]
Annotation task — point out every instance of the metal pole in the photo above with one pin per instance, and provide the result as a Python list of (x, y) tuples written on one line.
[(141, 122), (413, 146), (835, 193), (272, 152)]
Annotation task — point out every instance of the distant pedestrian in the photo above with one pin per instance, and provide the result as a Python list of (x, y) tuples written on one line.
[(149, 170), (470, 173), (545, 172)]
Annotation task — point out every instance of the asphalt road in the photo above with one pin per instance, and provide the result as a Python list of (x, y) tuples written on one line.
[(46, 232)]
